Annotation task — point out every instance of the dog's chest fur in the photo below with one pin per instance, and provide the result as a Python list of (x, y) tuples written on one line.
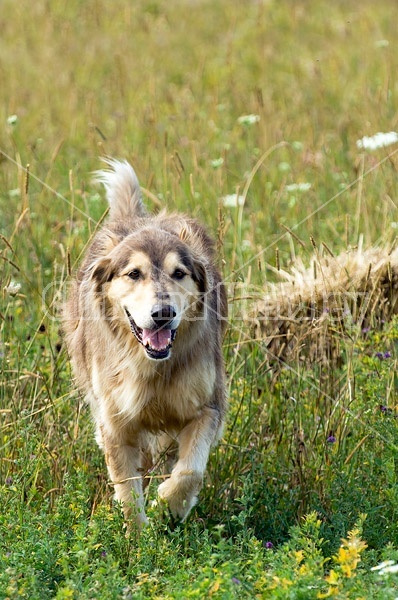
[(157, 399)]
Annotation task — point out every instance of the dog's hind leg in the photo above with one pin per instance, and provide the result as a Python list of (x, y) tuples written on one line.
[(181, 489)]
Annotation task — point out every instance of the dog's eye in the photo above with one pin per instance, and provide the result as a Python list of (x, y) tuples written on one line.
[(178, 274), (135, 274)]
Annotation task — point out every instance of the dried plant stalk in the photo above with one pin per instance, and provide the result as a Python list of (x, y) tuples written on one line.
[(316, 307)]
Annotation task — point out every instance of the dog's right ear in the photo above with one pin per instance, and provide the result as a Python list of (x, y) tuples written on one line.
[(103, 271)]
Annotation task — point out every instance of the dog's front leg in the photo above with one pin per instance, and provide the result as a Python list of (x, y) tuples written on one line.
[(181, 489), (124, 463)]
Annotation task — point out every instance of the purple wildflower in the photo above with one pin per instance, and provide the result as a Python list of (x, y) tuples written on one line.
[(383, 408), (365, 329), (382, 355), (269, 545), (103, 553), (236, 581), (331, 439), (9, 481)]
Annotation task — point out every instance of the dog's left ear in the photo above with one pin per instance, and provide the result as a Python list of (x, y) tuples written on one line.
[(199, 275)]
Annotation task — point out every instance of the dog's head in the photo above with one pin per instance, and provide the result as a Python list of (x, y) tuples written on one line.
[(155, 285)]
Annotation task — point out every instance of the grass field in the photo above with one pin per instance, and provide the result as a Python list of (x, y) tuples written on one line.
[(262, 99)]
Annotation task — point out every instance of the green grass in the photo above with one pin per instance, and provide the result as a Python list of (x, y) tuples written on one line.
[(305, 454)]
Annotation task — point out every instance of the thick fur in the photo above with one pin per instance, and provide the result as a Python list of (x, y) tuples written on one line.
[(169, 398)]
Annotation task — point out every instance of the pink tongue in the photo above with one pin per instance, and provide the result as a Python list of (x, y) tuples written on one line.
[(158, 340)]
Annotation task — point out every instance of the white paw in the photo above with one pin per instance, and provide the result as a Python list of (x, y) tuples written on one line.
[(180, 492)]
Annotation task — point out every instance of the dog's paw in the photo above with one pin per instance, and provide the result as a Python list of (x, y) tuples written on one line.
[(180, 492)]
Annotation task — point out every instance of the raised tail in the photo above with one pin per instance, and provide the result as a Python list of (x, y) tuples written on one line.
[(122, 190)]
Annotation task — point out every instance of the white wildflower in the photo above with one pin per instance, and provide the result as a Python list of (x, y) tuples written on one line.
[(297, 145), (216, 163), (233, 200), (297, 187), (382, 565), (386, 567), (248, 119), (379, 140), (12, 120), (15, 193), (390, 569), (284, 167), (12, 288)]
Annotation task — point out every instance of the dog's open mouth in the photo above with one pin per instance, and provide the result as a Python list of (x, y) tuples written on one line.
[(156, 342)]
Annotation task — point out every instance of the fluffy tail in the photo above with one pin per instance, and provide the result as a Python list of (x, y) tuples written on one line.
[(122, 189)]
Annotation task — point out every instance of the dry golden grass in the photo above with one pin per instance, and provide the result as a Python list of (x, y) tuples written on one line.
[(333, 299)]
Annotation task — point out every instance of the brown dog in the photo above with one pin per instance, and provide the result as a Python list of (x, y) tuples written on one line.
[(144, 324)]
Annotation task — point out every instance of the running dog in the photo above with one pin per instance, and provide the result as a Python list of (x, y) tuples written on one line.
[(144, 323)]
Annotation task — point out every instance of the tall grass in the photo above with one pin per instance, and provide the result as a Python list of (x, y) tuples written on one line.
[(308, 450)]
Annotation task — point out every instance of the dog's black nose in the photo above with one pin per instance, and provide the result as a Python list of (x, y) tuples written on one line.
[(163, 314)]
